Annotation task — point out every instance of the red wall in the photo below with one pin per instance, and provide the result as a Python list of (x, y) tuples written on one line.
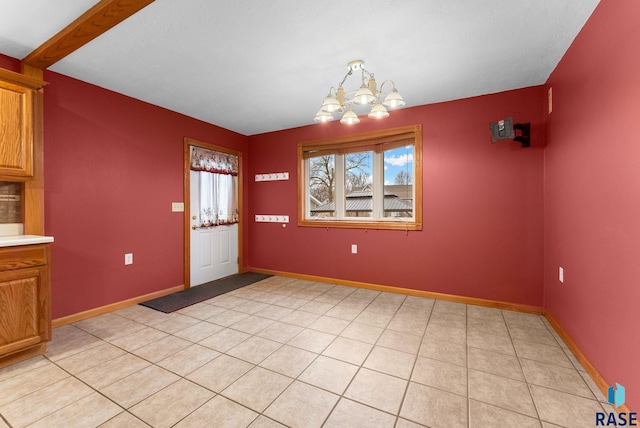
[(592, 194), (9, 63), (482, 206), (113, 165)]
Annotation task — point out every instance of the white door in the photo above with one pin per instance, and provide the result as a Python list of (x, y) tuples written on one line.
[(214, 250)]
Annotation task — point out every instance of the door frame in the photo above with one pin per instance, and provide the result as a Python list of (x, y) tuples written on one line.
[(186, 190)]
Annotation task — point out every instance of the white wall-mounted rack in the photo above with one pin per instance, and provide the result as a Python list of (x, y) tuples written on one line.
[(274, 176), (263, 218)]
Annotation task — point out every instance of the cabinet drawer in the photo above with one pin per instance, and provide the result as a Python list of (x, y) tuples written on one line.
[(23, 257)]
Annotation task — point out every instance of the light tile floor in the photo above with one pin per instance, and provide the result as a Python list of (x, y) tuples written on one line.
[(286, 352)]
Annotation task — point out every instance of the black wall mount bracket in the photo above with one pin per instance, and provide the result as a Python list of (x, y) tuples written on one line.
[(525, 133)]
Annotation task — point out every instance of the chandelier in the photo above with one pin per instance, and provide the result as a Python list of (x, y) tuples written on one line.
[(367, 94)]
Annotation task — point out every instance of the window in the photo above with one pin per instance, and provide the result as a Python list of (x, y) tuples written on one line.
[(216, 175), (371, 180)]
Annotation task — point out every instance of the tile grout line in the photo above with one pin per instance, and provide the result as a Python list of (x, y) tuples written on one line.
[(258, 414), (261, 413), (524, 375), (89, 386), (406, 389), (341, 396)]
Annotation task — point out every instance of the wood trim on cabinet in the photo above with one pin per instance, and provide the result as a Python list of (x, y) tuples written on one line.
[(105, 15), (34, 188), (23, 256), (28, 80), (23, 344), (31, 352)]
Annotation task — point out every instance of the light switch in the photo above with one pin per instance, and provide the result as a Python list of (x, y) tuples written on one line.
[(177, 207)]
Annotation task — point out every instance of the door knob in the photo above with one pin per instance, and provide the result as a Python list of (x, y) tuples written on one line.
[(194, 227), (193, 217)]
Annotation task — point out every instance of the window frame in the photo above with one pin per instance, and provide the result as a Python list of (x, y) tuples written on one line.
[(376, 141)]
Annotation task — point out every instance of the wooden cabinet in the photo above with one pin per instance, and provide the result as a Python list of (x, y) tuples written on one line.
[(18, 98), (25, 303), (25, 296)]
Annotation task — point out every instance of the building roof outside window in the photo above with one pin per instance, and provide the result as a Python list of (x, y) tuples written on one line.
[(361, 200)]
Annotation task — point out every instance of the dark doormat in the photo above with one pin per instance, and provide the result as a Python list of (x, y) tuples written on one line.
[(200, 293)]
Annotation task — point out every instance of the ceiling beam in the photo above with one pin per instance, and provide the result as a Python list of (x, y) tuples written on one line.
[(105, 15)]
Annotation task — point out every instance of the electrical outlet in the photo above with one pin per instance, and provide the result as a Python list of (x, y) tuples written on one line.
[(354, 249), (128, 259), (561, 274)]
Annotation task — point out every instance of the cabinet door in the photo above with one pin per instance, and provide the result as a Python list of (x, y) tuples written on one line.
[(16, 130), (24, 309)]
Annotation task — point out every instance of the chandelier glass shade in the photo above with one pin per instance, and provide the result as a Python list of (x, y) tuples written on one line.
[(340, 102), (350, 118)]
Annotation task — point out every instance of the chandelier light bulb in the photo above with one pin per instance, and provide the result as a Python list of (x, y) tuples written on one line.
[(350, 118), (330, 104), (323, 116), (364, 96), (378, 111), (394, 99)]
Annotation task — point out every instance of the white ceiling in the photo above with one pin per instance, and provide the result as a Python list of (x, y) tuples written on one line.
[(265, 65)]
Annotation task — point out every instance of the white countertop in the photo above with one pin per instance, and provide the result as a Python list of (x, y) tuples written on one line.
[(15, 240)]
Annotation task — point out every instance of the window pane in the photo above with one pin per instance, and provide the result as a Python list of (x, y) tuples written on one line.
[(345, 179), (322, 186), (358, 184), (398, 182)]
